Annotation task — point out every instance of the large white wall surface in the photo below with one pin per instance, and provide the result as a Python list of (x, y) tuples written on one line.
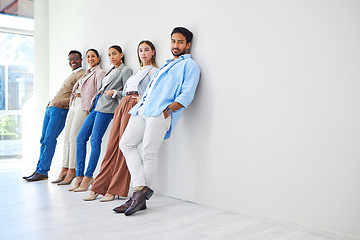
[(274, 129)]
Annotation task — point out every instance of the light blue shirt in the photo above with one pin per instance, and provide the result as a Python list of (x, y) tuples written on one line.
[(177, 84)]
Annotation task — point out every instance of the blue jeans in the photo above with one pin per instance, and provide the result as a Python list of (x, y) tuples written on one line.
[(54, 122), (95, 125)]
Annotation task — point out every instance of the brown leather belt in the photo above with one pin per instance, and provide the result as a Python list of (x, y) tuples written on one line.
[(132, 93), (78, 95)]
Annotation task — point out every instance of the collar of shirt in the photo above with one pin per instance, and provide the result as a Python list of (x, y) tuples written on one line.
[(171, 61), (76, 70), (184, 56)]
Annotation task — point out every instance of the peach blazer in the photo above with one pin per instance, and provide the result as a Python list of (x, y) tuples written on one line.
[(89, 87)]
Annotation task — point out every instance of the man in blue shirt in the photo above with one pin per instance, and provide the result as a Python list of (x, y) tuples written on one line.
[(170, 91)]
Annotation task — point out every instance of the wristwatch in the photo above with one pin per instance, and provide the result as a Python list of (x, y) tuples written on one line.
[(169, 111)]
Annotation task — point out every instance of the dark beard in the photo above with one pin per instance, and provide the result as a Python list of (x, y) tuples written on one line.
[(179, 54)]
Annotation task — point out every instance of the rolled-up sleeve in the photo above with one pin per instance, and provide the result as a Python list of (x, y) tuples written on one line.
[(190, 82)]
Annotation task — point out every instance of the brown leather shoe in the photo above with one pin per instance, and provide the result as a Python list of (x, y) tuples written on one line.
[(138, 200), (29, 176), (126, 205), (37, 177)]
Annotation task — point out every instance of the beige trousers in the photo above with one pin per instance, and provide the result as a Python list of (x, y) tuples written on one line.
[(74, 120)]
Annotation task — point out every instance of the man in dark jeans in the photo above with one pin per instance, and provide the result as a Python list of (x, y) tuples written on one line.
[(54, 119)]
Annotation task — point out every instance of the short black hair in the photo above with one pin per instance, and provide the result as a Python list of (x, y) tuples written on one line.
[(185, 32), (75, 52)]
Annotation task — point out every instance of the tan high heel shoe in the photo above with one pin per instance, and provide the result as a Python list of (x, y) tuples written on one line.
[(91, 197), (78, 182), (107, 199), (85, 184)]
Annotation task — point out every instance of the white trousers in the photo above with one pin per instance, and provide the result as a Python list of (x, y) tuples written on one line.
[(74, 120), (150, 131)]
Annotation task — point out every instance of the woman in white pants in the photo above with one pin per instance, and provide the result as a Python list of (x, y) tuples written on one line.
[(82, 93)]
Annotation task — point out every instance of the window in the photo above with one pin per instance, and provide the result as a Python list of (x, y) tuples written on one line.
[(16, 80)]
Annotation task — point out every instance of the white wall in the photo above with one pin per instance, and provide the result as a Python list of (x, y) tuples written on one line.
[(274, 128)]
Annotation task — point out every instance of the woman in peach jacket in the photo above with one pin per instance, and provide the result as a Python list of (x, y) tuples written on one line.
[(82, 93)]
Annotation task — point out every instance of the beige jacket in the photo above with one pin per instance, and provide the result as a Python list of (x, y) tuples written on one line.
[(63, 95)]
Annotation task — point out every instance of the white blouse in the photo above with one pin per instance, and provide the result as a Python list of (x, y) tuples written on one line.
[(106, 79), (133, 81), (83, 79)]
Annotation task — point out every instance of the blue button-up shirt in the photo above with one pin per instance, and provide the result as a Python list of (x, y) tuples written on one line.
[(177, 84)]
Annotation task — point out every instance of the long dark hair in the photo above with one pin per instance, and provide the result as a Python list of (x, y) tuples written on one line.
[(96, 53), (118, 48)]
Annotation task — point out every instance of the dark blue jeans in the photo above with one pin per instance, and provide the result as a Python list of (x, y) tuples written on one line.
[(95, 125), (54, 122)]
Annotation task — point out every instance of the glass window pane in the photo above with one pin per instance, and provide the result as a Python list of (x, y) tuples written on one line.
[(16, 88)]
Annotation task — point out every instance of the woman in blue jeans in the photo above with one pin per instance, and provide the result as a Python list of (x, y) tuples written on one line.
[(101, 112)]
